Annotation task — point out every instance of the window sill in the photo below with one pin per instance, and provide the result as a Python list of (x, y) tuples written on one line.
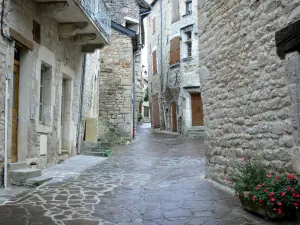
[(187, 14), (175, 65), (41, 128), (187, 59)]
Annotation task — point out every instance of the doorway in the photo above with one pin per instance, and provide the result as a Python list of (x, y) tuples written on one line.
[(174, 117), (65, 114), (15, 106), (155, 107), (197, 110)]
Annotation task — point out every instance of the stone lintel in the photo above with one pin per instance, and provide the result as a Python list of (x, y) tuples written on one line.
[(21, 39), (90, 48), (51, 8), (288, 39), (70, 29)]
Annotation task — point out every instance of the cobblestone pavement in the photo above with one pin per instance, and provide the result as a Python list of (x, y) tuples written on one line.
[(157, 180)]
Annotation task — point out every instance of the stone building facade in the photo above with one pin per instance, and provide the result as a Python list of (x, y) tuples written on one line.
[(120, 62), (175, 87), (250, 95), (42, 61)]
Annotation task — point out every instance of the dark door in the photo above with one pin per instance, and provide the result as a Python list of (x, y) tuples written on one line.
[(155, 107), (174, 117)]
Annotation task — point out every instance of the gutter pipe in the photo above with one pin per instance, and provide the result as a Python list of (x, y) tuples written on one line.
[(81, 103), (8, 77)]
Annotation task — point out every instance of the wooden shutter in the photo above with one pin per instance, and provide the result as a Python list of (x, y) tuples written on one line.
[(175, 11), (36, 32), (154, 25), (175, 50), (154, 62)]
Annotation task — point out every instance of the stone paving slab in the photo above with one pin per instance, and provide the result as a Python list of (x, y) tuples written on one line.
[(157, 180)]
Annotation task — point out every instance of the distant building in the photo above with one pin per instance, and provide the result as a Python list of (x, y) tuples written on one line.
[(175, 96)]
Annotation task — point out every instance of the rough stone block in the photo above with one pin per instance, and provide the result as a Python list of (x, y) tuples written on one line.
[(19, 177)]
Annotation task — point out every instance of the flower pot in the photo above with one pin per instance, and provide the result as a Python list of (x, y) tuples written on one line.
[(265, 211)]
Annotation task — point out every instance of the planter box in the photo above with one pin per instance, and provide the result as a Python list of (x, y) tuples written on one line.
[(266, 212)]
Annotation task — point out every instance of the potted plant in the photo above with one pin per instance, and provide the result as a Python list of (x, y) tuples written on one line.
[(266, 194)]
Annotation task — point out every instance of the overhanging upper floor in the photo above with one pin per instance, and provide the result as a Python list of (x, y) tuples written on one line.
[(83, 22)]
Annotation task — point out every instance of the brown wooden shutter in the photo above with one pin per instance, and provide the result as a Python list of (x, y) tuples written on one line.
[(197, 110), (36, 32), (175, 50), (154, 62), (175, 11), (153, 24)]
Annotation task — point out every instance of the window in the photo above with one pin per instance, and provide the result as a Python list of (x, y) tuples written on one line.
[(146, 111), (175, 50), (153, 25), (154, 62), (175, 11), (45, 94), (188, 6), (188, 43)]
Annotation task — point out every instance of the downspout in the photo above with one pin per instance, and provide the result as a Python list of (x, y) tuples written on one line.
[(81, 103), (161, 65), (8, 77)]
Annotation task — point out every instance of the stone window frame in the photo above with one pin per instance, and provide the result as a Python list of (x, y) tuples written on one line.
[(47, 58), (187, 42)]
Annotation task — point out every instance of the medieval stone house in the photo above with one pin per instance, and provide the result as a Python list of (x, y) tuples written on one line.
[(174, 68), (42, 60), (249, 78), (120, 69)]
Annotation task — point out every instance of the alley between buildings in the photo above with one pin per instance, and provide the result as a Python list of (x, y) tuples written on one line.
[(158, 179)]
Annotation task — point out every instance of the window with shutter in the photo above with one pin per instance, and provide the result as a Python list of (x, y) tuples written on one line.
[(154, 62), (175, 11), (175, 50)]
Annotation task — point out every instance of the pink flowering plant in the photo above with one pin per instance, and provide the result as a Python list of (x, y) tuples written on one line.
[(277, 194), (281, 194)]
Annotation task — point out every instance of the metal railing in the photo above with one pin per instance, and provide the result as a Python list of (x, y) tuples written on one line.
[(100, 14)]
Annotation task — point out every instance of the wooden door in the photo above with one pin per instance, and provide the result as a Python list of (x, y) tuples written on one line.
[(197, 110), (155, 107), (15, 112), (174, 117)]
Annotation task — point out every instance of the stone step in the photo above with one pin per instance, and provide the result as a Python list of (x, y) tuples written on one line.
[(18, 166), (19, 177), (37, 181), (99, 154)]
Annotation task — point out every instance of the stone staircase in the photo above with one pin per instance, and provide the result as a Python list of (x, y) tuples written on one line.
[(21, 175), (194, 133), (96, 149)]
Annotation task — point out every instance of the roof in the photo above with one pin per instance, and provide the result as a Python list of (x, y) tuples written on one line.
[(123, 30), (144, 4), (153, 2)]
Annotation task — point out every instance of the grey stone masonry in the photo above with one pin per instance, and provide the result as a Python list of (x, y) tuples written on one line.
[(115, 101), (248, 94)]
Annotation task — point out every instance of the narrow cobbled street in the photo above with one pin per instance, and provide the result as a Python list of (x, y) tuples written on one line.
[(158, 179)]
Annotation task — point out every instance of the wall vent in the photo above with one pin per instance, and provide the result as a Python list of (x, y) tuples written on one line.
[(36, 32)]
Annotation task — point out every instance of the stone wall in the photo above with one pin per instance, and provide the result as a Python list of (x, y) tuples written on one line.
[(123, 8), (246, 97), (175, 78), (115, 90)]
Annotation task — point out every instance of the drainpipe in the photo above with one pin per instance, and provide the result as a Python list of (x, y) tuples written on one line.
[(8, 77), (81, 103), (134, 92), (161, 65), (6, 135)]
